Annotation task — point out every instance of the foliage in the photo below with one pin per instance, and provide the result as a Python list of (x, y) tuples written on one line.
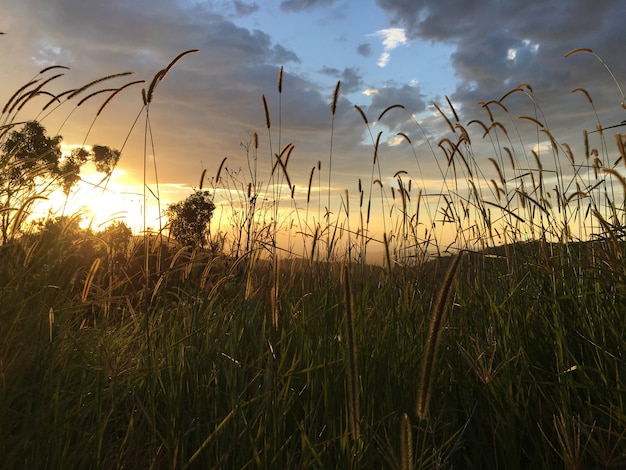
[(29, 152), (189, 219), (32, 165)]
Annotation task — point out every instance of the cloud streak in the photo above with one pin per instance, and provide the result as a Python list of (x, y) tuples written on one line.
[(391, 39)]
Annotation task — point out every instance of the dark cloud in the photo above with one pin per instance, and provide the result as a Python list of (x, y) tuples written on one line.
[(501, 44), (351, 79), (408, 96), (364, 50), (284, 56), (212, 96), (245, 9), (299, 5)]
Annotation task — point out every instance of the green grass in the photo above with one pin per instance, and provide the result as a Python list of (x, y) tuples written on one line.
[(157, 356)]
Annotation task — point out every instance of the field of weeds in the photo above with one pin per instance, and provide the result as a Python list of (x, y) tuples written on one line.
[(500, 347)]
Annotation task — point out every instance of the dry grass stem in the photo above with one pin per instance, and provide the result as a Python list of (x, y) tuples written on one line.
[(432, 342)]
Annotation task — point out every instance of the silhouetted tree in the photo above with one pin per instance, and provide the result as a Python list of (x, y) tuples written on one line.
[(189, 219), (32, 165)]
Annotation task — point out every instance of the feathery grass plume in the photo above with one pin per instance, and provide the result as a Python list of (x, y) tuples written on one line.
[(354, 412), (432, 342), (16, 94), (202, 179), (620, 178), (115, 93), (255, 140), (456, 117), (333, 109), (389, 108), (94, 94), (532, 119), (41, 92), (22, 213), (57, 98), (314, 245), (510, 154), (576, 51), (280, 79), (464, 135), (279, 161), (406, 443), (308, 194), (495, 164), (495, 188), (586, 141), (267, 113), (333, 104), (22, 100), (509, 93), (387, 253), (569, 152), (485, 106), (606, 66), (53, 67), (376, 144), (219, 170), (577, 194), (153, 83), (161, 74), (584, 92), (444, 117), (482, 124), (553, 143), (95, 82), (537, 160), (406, 137), (358, 108), (90, 277)]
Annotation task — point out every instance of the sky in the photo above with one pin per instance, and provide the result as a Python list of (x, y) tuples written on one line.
[(384, 52)]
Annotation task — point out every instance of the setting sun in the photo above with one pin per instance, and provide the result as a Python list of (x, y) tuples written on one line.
[(101, 202)]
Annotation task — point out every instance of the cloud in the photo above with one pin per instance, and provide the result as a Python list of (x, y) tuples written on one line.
[(351, 79), (364, 50), (502, 44), (411, 97), (299, 5), (383, 59), (391, 38), (245, 9), (208, 103)]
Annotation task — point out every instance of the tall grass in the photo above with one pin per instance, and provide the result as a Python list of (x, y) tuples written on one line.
[(134, 352)]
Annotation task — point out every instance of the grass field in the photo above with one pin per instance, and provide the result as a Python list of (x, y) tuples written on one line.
[(502, 348)]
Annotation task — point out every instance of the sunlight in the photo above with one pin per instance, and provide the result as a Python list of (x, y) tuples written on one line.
[(102, 202)]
